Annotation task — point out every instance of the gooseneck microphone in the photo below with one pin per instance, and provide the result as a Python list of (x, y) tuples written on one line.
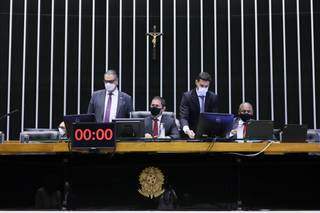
[(8, 114)]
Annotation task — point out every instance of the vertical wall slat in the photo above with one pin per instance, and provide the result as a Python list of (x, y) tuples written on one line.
[(284, 60), (229, 57), (120, 44), (271, 60), (215, 48), (242, 55), (65, 57), (134, 55), (79, 56), (24, 62), (107, 35), (201, 33), (9, 68), (38, 64), (175, 56), (93, 43), (51, 62), (257, 56), (161, 48), (299, 61), (188, 43), (147, 57), (313, 67)]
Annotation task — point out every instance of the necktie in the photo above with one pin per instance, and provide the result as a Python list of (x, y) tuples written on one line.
[(108, 109), (245, 126), (155, 128), (202, 103)]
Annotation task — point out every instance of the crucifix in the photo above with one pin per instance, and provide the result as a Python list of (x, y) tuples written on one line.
[(154, 34)]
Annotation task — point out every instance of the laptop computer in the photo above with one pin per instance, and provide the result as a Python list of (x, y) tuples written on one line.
[(259, 130), (70, 119), (294, 133)]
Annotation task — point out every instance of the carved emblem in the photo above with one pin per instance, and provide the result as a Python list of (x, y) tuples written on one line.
[(151, 180)]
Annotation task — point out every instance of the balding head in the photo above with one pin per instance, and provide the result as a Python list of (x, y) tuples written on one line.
[(245, 108)]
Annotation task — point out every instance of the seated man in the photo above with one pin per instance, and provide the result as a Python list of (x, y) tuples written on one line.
[(245, 113), (157, 122)]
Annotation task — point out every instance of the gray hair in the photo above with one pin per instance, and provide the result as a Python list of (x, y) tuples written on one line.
[(112, 72)]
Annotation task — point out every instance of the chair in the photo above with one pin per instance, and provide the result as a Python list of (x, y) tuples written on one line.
[(144, 114), (39, 135), (313, 135)]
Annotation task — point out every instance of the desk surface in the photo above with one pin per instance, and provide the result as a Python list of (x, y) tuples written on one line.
[(14, 147)]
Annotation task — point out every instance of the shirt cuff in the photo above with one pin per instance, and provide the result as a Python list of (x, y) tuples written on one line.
[(185, 129)]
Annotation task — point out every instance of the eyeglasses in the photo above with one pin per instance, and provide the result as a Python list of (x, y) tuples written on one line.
[(245, 111), (109, 81)]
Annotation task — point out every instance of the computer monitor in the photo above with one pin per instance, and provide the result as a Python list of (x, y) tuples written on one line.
[(70, 119), (292, 133), (214, 125), (259, 130), (129, 128)]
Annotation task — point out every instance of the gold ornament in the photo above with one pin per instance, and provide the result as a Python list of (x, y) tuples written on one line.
[(151, 180)]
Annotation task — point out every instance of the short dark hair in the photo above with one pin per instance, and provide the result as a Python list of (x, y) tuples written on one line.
[(204, 76), (163, 102), (112, 72)]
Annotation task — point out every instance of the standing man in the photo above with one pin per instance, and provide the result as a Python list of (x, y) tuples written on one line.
[(110, 103), (198, 100), (157, 118)]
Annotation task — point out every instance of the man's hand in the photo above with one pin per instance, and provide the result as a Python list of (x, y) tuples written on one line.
[(147, 135), (190, 133)]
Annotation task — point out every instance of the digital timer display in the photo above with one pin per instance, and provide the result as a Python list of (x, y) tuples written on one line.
[(93, 135), (89, 134)]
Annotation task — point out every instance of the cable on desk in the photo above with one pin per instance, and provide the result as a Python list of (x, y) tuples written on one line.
[(254, 154)]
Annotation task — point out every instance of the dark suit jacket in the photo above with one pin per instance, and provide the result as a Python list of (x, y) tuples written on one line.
[(97, 107), (190, 107), (169, 125)]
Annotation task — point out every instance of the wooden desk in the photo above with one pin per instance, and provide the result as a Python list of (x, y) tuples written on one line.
[(14, 147), (205, 176)]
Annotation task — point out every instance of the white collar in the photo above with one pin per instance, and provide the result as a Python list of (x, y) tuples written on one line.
[(114, 92)]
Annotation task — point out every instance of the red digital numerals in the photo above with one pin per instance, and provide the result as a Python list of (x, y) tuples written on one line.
[(89, 135)]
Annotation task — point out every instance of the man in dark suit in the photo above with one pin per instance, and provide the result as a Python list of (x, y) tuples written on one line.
[(198, 100), (110, 103), (245, 113), (158, 122)]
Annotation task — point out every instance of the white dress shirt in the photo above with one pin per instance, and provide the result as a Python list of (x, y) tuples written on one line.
[(114, 104), (239, 130)]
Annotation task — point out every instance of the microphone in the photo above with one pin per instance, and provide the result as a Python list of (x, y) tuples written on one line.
[(8, 114)]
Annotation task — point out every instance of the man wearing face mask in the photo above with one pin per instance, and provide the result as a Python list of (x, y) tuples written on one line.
[(245, 113), (110, 103), (158, 122), (198, 100)]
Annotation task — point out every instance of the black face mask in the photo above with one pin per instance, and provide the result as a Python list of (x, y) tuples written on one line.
[(245, 117), (155, 111)]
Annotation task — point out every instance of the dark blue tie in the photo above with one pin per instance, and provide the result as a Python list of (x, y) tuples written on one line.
[(202, 103)]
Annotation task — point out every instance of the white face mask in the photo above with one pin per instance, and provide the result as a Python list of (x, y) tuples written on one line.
[(62, 131), (110, 87), (202, 91)]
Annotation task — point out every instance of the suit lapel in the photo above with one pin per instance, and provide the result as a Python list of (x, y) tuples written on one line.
[(120, 101), (103, 99), (164, 119), (148, 124), (195, 100), (207, 102)]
